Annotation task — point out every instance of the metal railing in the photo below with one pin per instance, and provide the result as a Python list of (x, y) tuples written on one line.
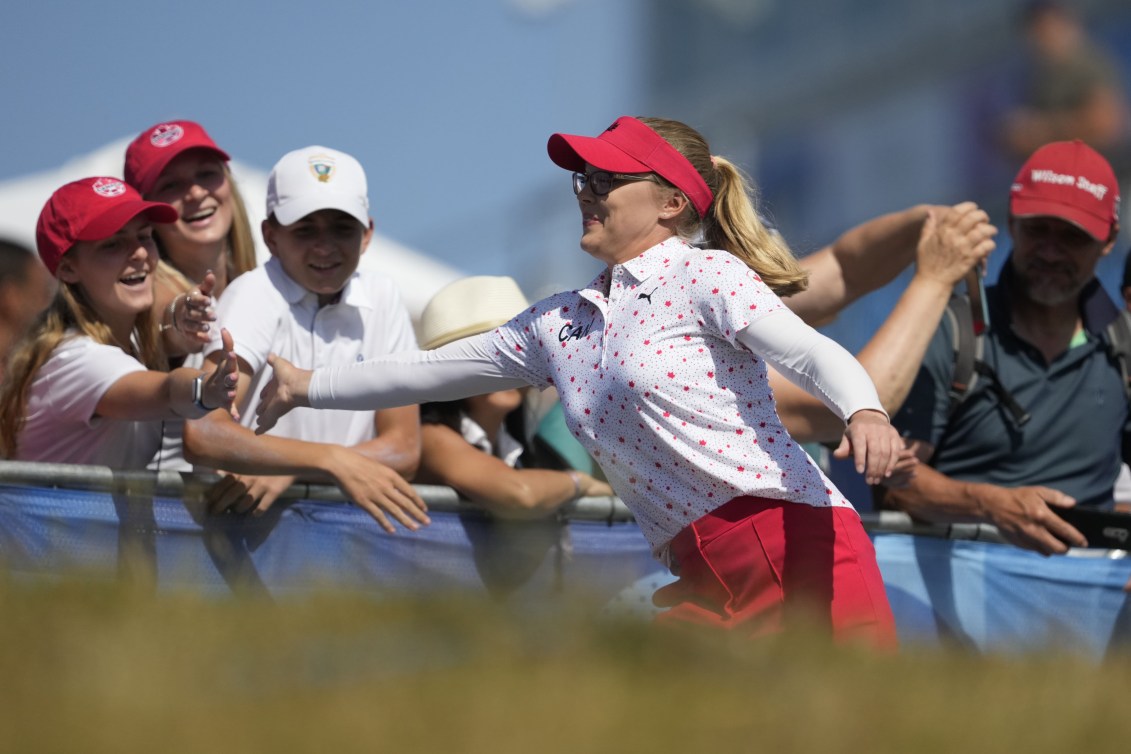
[(192, 488)]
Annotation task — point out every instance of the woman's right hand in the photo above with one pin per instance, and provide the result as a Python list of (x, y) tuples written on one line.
[(287, 389)]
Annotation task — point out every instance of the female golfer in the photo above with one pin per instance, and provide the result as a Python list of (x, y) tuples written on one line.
[(660, 365)]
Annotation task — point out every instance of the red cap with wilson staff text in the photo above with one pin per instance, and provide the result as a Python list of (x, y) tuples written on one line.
[(1071, 181), (90, 209), (155, 147)]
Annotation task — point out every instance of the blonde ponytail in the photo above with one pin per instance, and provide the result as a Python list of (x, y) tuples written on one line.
[(732, 223)]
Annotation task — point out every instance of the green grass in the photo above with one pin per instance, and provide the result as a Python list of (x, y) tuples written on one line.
[(97, 668)]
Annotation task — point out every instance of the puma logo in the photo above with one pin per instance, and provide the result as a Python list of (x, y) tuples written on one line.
[(646, 296)]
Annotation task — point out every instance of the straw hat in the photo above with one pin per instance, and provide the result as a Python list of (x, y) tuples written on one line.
[(468, 307)]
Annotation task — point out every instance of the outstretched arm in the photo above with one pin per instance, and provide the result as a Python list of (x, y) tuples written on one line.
[(457, 370), (151, 395), (950, 243), (861, 260)]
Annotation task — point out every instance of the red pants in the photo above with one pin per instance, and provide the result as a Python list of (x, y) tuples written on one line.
[(763, 566)]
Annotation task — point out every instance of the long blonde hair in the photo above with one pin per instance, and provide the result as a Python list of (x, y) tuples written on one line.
[(241, 245), (732, 223), (68, 312)]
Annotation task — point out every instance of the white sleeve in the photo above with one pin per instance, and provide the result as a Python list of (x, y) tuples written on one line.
[(813, 362), (458, 370)]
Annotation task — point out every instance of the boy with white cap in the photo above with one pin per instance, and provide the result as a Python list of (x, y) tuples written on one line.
[(312, 304)]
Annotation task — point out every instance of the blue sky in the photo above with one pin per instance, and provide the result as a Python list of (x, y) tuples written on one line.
[(447, 103)]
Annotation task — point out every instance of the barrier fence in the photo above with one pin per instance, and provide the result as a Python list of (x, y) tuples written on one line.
[(957, 584)]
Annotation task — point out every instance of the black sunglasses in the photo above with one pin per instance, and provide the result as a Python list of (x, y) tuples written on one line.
[(601, 182)]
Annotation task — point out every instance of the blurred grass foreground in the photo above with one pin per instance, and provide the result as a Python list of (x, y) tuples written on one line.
[(96, 667)]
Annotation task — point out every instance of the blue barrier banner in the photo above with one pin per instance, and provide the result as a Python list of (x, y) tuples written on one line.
[(981, 595), (308, 545), (997, 597)]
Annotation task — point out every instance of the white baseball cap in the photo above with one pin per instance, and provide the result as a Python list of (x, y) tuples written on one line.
[(313, 178)]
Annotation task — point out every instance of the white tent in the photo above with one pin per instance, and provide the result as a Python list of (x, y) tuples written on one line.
[(21, 200)]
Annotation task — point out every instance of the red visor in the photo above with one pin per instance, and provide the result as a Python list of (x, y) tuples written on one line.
[(629, 146)]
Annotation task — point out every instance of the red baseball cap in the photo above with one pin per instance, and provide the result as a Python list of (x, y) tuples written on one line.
[(629, 146), (1071, 181), (89, 210), (155, 147)]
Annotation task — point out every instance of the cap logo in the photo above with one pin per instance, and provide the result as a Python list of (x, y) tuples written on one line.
[(322, 167), (166, 134), (1098, 190), (108, 187)]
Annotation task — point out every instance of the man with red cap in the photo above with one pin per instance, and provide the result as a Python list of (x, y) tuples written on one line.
[(1042, 426)]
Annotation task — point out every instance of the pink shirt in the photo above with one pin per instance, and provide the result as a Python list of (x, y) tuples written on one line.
[(654, 384)]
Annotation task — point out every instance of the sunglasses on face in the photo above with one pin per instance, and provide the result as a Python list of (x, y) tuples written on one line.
[(601, 182)]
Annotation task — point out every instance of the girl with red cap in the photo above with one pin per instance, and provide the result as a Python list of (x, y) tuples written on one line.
[(660, 364), (209, 243), (89, 384)]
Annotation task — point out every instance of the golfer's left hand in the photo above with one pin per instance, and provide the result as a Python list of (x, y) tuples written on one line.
[(872, 443)]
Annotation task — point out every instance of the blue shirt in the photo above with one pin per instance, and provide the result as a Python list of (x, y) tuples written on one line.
[(1077, 405)]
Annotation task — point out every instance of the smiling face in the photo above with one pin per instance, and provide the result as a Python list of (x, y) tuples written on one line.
[(630, 219), (196, 184), (115, 274), (320, 251), (1053, 259)]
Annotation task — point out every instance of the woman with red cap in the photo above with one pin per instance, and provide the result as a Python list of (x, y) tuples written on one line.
[(89, 384), (660, 364), (209, 243)]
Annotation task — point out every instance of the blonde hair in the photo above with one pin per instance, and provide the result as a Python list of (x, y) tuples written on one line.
[(241, 245), (68, 312), (732, 223)]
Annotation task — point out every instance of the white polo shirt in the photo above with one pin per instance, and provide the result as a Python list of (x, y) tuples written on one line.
[(652, 382), (268, 312), (61, 426)]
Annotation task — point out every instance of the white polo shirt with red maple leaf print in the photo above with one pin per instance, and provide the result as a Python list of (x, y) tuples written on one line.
[(678, 414)]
